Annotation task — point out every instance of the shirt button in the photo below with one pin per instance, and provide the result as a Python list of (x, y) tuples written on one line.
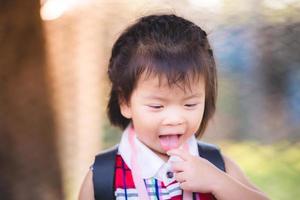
[(170, 174)]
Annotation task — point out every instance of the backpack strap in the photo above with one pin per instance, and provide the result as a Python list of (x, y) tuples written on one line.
[(211, 153), (103, 174)]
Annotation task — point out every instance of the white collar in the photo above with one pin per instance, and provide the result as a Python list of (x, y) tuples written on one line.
[(155, 166)]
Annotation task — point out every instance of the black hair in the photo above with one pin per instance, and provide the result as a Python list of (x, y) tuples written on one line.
[(162, 45)]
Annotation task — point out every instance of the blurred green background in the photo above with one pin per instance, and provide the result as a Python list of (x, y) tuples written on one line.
[(54, 88)]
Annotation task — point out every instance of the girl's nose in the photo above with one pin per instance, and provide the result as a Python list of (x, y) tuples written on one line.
[(173, 118)]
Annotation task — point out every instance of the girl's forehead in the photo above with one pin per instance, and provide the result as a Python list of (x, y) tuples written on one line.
[(161, 83)]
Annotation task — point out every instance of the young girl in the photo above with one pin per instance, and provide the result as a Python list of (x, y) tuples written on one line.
[(164, 89)]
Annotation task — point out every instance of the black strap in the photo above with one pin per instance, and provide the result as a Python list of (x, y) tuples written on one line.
[(103, 174), (104, 168), (211, 153)]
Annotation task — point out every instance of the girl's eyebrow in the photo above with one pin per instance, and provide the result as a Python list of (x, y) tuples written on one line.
[(197, 95), (155, 97), (162, 98)]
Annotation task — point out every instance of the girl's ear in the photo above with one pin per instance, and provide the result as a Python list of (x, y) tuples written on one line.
[(125, 109)]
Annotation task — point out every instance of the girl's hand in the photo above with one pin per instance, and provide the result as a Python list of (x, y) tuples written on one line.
[(194, 173)]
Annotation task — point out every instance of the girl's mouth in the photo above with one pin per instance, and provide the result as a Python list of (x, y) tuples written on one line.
[(169, 141)]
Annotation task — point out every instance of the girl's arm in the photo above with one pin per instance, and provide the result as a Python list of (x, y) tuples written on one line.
[(235, 185), (199, 175), (87, 188)]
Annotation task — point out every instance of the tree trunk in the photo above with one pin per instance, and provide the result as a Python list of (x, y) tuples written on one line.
[(29, 166)]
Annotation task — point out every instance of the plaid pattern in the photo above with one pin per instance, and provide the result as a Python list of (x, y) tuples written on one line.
[(125, 188)]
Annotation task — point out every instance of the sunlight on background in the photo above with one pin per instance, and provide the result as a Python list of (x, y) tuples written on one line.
[(53, 9), (281, 4), (214, 5)]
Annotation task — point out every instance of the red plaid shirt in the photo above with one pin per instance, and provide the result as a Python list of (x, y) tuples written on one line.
[(157, 190)]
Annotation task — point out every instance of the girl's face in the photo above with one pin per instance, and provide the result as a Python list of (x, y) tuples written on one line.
[(163, 115)]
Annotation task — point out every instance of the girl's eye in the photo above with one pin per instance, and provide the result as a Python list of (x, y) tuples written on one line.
[(156, 106), (190, 105)]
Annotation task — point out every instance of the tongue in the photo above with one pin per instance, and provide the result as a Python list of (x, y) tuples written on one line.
[(169, 142)]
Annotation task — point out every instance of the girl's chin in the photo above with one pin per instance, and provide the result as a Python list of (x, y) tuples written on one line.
[(163, 155), (160, 151)]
